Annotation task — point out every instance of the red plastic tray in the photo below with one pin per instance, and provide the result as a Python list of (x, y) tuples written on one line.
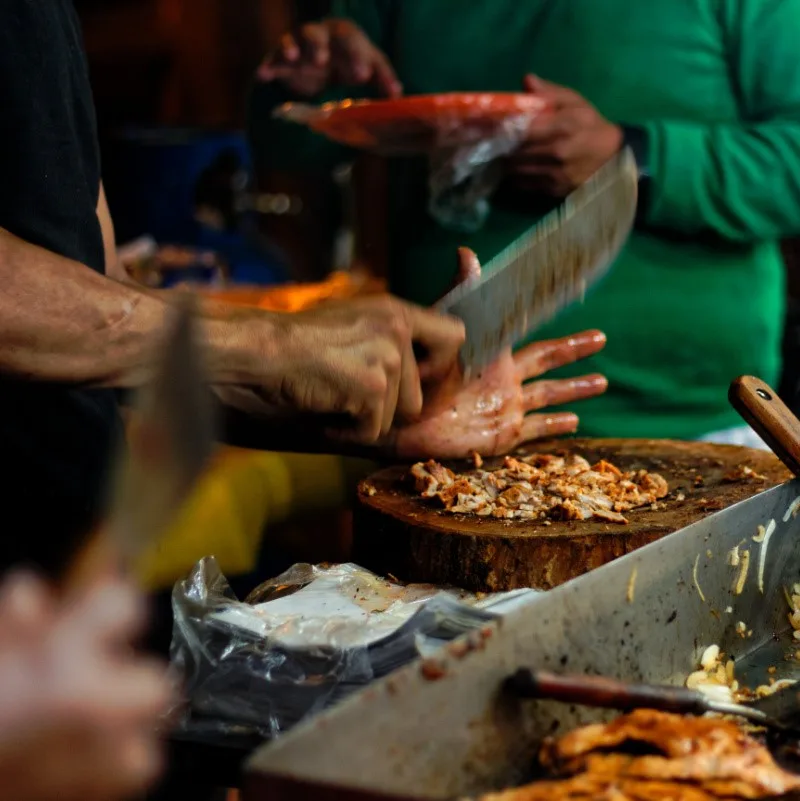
[(417, 123)]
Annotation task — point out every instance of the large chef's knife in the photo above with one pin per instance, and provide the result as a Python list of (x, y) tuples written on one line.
[(549, 266), (169, 442)]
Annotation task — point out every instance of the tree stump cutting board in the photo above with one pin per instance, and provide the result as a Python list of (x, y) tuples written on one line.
[(398, 533)]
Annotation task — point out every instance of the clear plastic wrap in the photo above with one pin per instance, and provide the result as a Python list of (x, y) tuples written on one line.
[(304, 640), (464, 137)]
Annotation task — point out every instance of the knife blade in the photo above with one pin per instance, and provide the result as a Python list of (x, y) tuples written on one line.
[(548, 267), (169, 443)]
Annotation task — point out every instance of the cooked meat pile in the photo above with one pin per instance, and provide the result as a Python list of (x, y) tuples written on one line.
[(540, 487), (650, 756)]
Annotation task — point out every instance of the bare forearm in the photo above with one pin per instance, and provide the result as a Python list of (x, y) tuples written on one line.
[(60, 321)]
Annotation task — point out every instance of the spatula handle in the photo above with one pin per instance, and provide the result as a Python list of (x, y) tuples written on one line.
[(769, 417), (604, 693)]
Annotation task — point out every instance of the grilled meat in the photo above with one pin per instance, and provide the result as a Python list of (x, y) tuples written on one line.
[(654, 755)]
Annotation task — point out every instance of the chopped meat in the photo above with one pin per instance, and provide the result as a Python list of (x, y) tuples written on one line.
[(540, 487), (431, 477), (650, 755)]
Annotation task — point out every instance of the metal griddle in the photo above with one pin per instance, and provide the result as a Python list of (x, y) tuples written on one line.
[(442, 728)]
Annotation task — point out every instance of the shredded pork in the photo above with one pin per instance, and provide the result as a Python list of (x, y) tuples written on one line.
[(540, 487)]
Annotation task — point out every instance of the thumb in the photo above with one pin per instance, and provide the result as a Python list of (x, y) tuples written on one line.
[(557, 96), (535, 85), (469, 268)]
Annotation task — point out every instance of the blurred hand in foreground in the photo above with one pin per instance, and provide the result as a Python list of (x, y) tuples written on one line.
[(79, 709)]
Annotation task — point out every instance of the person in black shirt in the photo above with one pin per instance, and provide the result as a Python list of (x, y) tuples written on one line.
[(72, 327)]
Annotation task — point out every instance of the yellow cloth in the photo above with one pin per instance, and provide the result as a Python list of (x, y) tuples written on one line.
[(242, 494)]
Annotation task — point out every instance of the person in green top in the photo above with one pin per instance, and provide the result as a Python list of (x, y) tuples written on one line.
[(707, 94)]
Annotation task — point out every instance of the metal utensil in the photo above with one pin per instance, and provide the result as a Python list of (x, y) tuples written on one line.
[(549, 266), (169, 443), (778, 711)]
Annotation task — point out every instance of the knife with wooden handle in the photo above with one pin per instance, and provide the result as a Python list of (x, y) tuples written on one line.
[(548, 267)]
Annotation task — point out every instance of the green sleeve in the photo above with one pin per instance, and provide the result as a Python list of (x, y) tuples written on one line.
[(739, 181), (278, 145)]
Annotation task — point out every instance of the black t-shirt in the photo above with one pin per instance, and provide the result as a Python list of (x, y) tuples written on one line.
[(55, 441)]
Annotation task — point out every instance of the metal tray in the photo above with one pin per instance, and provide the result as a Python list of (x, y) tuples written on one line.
[(439, 729)]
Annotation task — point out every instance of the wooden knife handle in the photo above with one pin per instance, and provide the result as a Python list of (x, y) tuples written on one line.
[(769, 417), (604, 693)]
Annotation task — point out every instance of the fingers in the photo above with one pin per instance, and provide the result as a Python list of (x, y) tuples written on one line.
[(315, 45), (393, 365), (540, 357), (544, 426), (384, 76), (112, 613), (441, 336), (309, 50), (469, 268), (409, 401), (358, 61), (26, 606), (559, 96), (540, 394)]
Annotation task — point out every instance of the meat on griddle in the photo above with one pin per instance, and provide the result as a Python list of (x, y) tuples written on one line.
[(649, 754)]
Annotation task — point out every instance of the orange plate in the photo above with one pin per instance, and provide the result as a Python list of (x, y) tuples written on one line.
[(418, 123)]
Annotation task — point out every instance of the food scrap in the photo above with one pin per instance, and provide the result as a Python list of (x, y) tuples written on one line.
[(762, 556), (716, 677), (649, 755), (794, 613), (743, 473), (629, 594), (695, 579), (541, 487), (744, 566), (792, 510)]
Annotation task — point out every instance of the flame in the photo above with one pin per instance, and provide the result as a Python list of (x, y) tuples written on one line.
[(298, 297)]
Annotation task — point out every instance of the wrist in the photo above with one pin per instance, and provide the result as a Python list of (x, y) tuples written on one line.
[(244, 346)]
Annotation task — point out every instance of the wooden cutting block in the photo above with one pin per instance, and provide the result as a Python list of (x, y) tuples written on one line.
[(398, 533)]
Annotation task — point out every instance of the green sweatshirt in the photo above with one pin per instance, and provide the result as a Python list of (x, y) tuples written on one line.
[(696, 298)]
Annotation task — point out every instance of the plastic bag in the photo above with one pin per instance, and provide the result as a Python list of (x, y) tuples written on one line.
[(305, 640), (464, 137)]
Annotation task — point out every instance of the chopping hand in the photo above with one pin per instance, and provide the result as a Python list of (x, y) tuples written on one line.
[(500, 408)]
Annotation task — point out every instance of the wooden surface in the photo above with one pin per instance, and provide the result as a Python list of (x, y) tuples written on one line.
[(398, 533)]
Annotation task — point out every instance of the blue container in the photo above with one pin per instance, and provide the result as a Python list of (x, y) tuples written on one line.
[(152, 178)]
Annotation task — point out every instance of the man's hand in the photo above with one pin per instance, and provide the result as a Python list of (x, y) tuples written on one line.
[(564, 146), (353, 362), (334, 52), (78, 710), (498, 411)]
